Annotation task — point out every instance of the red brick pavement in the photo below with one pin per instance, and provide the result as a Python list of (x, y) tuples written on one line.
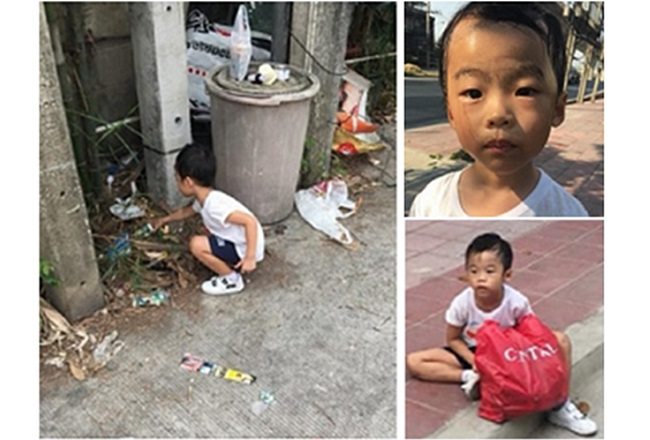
[(557, 264)]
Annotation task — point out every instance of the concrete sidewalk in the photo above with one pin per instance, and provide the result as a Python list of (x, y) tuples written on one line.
[(557, 264), (574, 155), (316, 325)]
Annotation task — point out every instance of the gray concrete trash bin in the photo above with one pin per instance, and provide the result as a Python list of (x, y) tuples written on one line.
[(258, 136)]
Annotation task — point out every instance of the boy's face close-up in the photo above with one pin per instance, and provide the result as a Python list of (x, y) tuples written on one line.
[(486, 274), (502, 97)]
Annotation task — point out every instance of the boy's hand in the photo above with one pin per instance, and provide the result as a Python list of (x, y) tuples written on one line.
[(248, 264), (158, 222)]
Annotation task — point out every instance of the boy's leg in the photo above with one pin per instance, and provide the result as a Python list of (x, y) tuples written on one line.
[(435, 364), (565, 346), (568, 415), (200, 248), (220, 256)]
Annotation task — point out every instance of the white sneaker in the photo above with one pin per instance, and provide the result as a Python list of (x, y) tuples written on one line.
[(471, 386), (221, 286), (570, 417)]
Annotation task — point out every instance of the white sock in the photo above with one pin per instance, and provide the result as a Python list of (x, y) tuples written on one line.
[(232, 277), (464, 375)]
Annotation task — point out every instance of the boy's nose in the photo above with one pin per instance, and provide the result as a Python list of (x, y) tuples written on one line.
[(498, 116)]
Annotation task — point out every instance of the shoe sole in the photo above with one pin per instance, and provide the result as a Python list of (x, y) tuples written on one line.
[(230, 292)]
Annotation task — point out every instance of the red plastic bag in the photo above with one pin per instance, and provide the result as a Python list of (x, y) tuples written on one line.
[(522, 369)]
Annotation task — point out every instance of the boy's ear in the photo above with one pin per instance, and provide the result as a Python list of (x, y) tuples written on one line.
[(507, 274), (560, 107)]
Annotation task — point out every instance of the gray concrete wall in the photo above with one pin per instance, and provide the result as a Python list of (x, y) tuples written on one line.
[(160, 61), (101, 31), (112, 58), (323, 29), (65, 239)]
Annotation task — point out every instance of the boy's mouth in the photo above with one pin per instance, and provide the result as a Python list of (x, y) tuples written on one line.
[(499, 146)]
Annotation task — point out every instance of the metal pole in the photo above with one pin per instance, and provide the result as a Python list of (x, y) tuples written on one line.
[(427, 28), (281, 26)]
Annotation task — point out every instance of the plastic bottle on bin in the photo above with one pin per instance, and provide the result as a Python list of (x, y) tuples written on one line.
[(241, 48)]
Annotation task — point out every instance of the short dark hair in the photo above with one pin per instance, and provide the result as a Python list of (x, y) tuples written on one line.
[(537, 17), (491, 242), (196, 161)]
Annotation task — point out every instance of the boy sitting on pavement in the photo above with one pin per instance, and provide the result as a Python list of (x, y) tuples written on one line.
[(488, 264), (502, 68), (236, 240)]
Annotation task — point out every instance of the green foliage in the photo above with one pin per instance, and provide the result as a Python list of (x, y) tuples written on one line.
[(46, 273), (461, 155), (438, 159), (373, 32), (313, 160), (338, 166)]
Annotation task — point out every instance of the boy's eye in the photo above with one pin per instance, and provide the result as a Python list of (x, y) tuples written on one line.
[(472, 93), (526, 91)]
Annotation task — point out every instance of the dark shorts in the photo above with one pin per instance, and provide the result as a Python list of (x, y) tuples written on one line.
[(223, 250), (463, 363)]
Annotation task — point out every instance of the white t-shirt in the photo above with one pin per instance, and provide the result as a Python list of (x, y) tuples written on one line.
[(214, 212), (548, 199), (463, 312)]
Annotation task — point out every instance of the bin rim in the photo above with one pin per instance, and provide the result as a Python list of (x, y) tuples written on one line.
[(271, 100)]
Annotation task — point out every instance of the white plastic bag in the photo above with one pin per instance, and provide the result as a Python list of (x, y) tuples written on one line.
[(208, 46), (324, 203), (240, 45)]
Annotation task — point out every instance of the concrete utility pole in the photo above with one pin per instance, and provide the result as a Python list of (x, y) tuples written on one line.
[(323, 29), (599, 70), (160, 62), (586, 73), (65, 238)]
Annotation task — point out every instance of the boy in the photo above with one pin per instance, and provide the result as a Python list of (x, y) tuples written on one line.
[(236, 240), (488, 263), (501, 71)]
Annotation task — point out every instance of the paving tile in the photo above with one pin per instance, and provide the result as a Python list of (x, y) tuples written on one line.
[(584, 225), (414, 225), (524, 258), (586, 289), (455, 248), (426, 266), (426, 334), (445, 397), (558, 313), (421, 307), (561, 268), (422, 421), (410, 254), (443, 289), (419, 242), (446, 229), (563, 230), (594, 238), (535, 283), (581, 252), (534, 243)]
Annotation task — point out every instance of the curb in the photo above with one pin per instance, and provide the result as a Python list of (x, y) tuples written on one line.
[(588, 358)]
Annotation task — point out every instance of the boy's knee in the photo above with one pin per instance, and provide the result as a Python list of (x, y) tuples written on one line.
[(563, 339), (412, 363), (195, 245)]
